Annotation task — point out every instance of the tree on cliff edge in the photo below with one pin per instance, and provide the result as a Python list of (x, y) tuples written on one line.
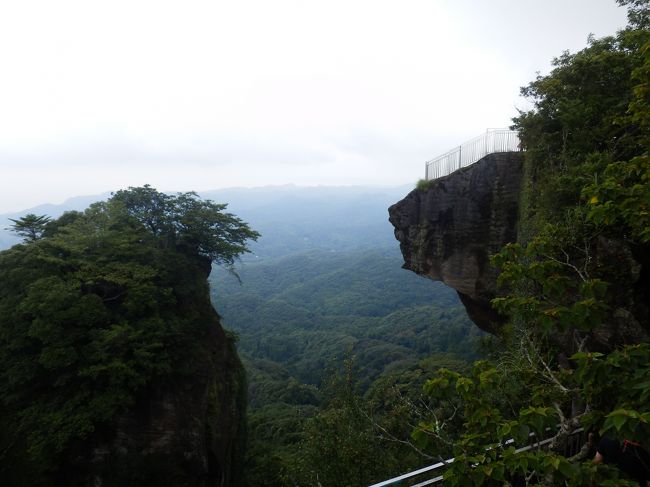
[(30, 227)]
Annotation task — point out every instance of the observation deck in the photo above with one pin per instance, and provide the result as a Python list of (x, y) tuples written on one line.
[(493, 140)]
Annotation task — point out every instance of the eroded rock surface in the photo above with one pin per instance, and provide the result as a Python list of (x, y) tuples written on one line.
[(448, 232), (186, 429)]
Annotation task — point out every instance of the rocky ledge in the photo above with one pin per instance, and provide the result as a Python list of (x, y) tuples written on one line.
[(448, 231)]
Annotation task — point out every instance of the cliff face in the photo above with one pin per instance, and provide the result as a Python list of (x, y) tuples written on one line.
[(187, 431), (448, 232), (187, 434), (114, 368)]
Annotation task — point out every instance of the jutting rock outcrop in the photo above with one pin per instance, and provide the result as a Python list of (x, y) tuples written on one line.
[(448, 231)]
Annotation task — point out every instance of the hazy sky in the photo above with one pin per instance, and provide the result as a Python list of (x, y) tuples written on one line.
[(196, 95)]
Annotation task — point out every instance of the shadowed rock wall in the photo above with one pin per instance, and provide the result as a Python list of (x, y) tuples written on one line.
[(186, 429)]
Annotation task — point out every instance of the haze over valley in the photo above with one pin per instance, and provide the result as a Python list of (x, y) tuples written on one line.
[(223, 264)]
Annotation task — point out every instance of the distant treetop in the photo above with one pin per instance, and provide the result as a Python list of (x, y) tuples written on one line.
[(187, 221), (30, 227)]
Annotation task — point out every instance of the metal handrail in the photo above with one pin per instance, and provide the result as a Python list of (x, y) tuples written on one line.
[(493, 140), (572, 449)]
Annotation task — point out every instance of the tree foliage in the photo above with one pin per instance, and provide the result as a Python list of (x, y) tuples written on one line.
[(187, 222), (572, 285), (100, 307), (30, 227), (615, 387), (587, 139), (296, 316)]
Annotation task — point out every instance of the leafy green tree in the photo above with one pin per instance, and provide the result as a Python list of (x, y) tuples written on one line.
[(581, 120), (615, 387), (586, 225), (620, 198), (30, 227), (187, 222), (638, 13), (341, 446)]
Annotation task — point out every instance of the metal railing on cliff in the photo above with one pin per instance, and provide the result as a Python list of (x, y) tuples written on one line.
[(433, 474), (493, 140)]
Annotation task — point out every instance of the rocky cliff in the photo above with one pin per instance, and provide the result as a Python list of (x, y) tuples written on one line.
[(188, 434), (448, 231), (184, 431)]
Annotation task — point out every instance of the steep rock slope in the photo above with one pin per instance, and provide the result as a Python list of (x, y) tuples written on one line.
[(448, 231), (188, 431)]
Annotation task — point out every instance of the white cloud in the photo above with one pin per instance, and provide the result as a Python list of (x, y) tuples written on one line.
[(95, 96)]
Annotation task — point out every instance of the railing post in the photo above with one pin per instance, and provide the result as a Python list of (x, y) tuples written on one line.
[(487, 135)]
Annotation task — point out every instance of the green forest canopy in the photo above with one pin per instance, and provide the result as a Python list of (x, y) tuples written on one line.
[(96, 305)]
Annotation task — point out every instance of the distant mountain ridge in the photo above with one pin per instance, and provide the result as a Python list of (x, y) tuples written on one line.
[(290, 218), (7, 239)]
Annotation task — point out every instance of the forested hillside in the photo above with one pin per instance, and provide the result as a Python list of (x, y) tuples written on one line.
[(269, 337), (308, 310), (329, 291), (357, 369), (322, 287)]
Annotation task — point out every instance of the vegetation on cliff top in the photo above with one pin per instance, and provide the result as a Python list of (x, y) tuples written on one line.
[(96, 306)]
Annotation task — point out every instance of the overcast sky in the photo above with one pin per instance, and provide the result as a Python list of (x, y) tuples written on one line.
[(197, 95)]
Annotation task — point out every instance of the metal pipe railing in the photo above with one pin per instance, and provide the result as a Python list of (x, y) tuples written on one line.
[(493, 140), (576, 439)]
